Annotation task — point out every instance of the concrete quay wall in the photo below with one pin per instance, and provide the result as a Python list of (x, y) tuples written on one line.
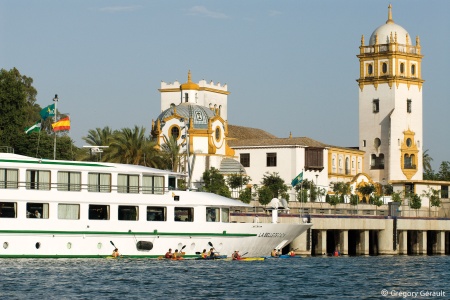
[(364, 235)]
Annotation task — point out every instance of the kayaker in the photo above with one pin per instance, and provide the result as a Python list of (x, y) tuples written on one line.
[(115, 253), (176, 255), (236, 255), (292, 252), (211, 253), (169, 254), (204, 254), (274, 253)]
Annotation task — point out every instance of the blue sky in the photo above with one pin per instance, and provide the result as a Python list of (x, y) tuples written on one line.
[(290, 66)]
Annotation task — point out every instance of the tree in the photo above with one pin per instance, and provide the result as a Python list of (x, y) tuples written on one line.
[(245, 195), (131, 146), (13, 102), (334, 200), (426, 161), (215, 183), (235, 181), (172, 151), (433, 197), (342, 190), (444, 171), (366, 190), (415, 202), (97, 137), (265, 195), (377, 201), (354, 200), (276, 184)]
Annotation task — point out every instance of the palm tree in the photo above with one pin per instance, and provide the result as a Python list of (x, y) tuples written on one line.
[(130, 146), (173, 152), (426, 161), (97, 137)]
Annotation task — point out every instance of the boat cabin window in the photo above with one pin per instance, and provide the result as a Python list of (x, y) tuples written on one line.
[(9, 179), (38, 180), (156, 213), (128, 213), (69, 211), (37, 210), (212, 214), (225, 215), (172, 183), (128, 184), (153, 184), (184, 214), (99, 182), (69, 181), (8, 210), (98, 212)]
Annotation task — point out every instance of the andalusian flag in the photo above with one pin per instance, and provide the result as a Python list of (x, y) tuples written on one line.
[(62, 124), (35, 128), (297, 179), (49, 111)]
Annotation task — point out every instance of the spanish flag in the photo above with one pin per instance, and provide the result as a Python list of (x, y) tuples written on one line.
[(62, 124)]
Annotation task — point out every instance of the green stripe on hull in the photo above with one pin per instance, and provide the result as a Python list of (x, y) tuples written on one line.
[(132, 233), (45, 162)]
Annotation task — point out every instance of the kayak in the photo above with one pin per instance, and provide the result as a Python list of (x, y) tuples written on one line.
[(283, 256), (212, 258), (252, 258)]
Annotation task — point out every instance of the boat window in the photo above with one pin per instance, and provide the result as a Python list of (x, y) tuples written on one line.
[(98, 212), (9, 179), (153, 184), (212, 214), (99, 182), (184, 214), (156, 213), (69, 181), (128, 184), (38, 180), (128, 213), (8, 210), (37, 210), (69, 211), (225, 215)]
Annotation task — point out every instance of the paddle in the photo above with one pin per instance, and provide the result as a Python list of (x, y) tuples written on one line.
[(212, 246)]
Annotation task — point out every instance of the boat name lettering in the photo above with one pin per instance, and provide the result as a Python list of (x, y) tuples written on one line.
[(272, 234)]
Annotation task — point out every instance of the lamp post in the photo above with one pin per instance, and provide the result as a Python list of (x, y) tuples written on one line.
[(317, 187), (54, 142), (382, 189)]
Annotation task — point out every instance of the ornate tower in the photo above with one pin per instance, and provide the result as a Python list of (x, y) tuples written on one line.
[(390, 104)]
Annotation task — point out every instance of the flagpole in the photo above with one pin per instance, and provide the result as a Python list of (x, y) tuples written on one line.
[(39, 137), (54, 143)]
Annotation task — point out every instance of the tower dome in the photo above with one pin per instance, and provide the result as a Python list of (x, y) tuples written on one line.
[(388, 31), (199, 114), (189, 85)]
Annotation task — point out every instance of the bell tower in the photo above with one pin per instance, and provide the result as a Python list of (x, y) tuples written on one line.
[(390, 103)]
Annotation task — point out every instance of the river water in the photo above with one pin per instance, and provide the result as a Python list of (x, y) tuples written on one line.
[(298, 278)]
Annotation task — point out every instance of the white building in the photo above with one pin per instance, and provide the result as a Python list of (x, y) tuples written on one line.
[(390, 104), (390, 126), (195, 116)]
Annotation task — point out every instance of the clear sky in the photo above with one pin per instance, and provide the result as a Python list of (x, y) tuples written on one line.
[(290, 66)]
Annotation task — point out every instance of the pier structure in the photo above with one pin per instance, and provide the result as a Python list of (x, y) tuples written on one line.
[(365, 231)]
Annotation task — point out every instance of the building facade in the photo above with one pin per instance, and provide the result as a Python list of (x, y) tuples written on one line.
[(390, 104)]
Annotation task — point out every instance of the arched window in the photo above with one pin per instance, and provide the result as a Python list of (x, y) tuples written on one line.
[(175, 132), (347, 166)]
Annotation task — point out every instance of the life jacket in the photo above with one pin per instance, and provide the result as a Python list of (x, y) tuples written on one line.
[(168, 255)]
